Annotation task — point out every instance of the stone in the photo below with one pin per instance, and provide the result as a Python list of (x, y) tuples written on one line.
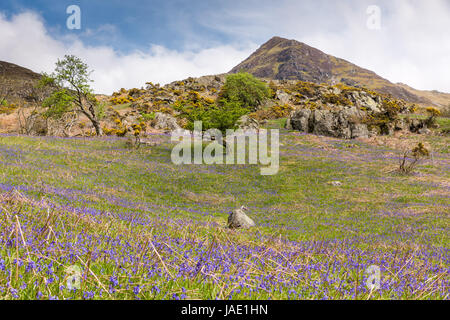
[(324, 123), (370, 104), (247, 123), (424, 130), (400, 125), (284, 97), (165, 122), (359, 130), (238, 219), (299, 120)]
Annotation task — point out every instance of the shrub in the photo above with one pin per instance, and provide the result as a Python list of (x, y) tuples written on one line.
[(307, 89), (220, 116), (148, 116), (280, 111), (433, 113), (337, 99), (245, 90), (412, 158)]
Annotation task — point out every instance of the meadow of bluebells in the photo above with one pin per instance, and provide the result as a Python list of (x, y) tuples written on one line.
[(139, 227)]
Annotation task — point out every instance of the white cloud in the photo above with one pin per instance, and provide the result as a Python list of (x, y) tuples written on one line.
[(412, 46), (26, 42)]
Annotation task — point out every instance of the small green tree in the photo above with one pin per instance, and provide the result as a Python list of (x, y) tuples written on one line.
[(225, 115), (71, 79), (244, 89)]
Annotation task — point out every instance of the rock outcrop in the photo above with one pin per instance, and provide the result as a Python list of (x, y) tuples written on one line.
[(344, 123), (165, 122)]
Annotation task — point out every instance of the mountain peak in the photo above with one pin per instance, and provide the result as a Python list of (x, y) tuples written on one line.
[(284, 59)]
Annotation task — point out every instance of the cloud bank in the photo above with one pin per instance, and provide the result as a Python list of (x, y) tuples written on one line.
[(412, 46), (25, 41)]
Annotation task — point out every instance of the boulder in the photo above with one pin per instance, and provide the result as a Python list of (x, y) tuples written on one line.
[(165, 121), (324, 123), (247, 123), (370, 104), (238, 219), (299, 120), (284, 97)]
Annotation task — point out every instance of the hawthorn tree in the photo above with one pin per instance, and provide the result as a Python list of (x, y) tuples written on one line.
[(73, 92)]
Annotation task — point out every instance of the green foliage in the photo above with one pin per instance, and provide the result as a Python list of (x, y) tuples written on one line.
[(148, 116), (245, 90), (222, 115), (73, 73), (73, 91), (58, 104), (71, 77)]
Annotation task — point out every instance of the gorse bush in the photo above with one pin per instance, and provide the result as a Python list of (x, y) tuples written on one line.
[(412, 158), (433, 114)]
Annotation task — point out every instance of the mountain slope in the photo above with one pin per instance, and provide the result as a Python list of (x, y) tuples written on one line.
[(283, 59), (18, 83)]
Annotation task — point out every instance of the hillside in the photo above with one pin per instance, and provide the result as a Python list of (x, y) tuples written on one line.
[(18, 83), (283, 59)]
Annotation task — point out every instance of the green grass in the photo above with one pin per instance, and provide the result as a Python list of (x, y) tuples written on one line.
[(375, 212)]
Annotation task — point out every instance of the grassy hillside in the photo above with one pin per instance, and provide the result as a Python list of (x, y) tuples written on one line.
[(140, 227)]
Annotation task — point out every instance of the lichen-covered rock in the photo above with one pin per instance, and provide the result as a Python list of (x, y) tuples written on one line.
[(299, 120), (165, 121), (283, 96), (342, 123), (359, 130), (247, 123), (238, 219)]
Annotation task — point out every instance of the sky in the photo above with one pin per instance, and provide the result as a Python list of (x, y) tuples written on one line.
[(128, 43)]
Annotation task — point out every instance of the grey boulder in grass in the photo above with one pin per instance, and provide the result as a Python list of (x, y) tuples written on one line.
[(238, 219)]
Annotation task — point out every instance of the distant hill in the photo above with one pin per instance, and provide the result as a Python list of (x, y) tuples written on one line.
[(18, 83), (14, 71), (283, 59)]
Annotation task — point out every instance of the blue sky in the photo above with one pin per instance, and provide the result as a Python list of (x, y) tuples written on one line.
[(130, 25), (130, 42)]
